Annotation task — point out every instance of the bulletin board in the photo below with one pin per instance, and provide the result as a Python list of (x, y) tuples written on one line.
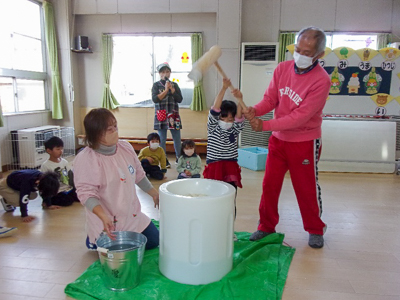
[(363, 81)]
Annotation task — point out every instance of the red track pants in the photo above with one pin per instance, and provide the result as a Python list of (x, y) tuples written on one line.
[(301, 159)]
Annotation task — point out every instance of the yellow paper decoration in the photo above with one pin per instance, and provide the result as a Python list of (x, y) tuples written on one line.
[(336, 81), (398, 99), (382, 99), (366, 54), (343, 52), (290, 48), (185, 58), (327, 51), (372, 82), (389, 53)]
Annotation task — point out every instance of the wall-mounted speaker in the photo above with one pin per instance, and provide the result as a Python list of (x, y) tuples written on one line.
[(81, 42)]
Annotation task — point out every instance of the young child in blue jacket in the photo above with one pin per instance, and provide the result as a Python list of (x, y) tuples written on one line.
[(21, 186)]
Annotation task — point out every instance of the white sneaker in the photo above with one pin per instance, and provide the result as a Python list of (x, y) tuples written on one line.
[(5, 231), (7, 207)]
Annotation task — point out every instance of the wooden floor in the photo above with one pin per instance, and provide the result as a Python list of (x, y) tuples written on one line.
[(360, 260)]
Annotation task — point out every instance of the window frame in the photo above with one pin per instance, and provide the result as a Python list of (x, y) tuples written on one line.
[(43, 76), (148, 103), (330, 34)]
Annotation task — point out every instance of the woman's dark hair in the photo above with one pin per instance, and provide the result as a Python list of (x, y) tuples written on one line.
[(228, 106), (190, 144), (48, 184), (96, 123), (152, 136)]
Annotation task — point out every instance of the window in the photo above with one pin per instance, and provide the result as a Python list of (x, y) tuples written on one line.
[(354, 41), (22, 60), (134, 66)]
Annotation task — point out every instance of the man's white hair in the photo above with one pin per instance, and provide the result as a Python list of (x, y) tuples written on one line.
[(318, 34)]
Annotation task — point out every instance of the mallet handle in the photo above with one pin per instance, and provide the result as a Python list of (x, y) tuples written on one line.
[(231, 86)]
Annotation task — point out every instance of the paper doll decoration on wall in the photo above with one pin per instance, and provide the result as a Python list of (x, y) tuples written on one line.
[(366, 54), (353, 84), (381, 100), (389, 55), (185, 58), (372, 82), (343, 53), (336, 81)]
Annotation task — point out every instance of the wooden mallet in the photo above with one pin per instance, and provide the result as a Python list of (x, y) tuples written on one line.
[(204, 63)]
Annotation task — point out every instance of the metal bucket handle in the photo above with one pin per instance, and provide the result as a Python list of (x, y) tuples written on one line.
[(102, 250)]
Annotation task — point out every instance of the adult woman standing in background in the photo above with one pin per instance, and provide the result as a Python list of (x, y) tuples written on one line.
[(166, 96)]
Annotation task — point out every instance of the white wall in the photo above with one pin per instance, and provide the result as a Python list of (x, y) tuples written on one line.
[(330, 15), (396, 21), (260, 20), (339, 15)]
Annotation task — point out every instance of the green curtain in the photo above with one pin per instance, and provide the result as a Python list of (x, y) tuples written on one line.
[(383, 40), (109, 101), (51, 42), (199, 101), (285, 39)]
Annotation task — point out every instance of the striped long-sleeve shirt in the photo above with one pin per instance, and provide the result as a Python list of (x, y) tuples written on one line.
[(222, 143)]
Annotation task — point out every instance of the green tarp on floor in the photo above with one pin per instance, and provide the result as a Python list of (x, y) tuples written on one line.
[(259, 272)]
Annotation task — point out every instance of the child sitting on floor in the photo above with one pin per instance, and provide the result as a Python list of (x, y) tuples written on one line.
[(153, 157), (189, 163), (66, 194), (21, 186)]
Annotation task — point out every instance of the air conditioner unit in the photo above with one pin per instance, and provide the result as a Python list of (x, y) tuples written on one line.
[(258, 62), (28, 145)]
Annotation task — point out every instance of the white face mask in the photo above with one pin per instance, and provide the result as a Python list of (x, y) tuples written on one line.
[(225, 125), (110, 139), (154, 145), (189, 152), (302, 61)]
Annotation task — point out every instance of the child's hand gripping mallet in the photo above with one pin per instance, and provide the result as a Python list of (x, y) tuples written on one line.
[(202, 65)]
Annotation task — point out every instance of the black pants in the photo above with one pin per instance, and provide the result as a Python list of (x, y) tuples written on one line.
[(153, 171)]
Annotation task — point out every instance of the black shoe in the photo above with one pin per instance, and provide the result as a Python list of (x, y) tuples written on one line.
[(168, 165), (258, 235), (316, 241)]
